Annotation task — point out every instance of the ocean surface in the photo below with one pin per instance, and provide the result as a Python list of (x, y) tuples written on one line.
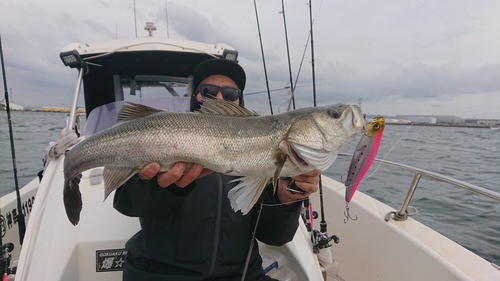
[(467, 154)]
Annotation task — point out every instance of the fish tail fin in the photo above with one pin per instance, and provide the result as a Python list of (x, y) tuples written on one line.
[(73, 199), (244, 195)]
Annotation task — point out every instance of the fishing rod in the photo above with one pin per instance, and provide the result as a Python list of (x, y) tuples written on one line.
[(320, 238), (247, 262), (20, 217), (281, 89), (263, 59), (300, 68), (288, 55)]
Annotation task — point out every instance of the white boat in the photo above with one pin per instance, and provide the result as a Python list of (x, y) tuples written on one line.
[(375, 247), (495, 127)]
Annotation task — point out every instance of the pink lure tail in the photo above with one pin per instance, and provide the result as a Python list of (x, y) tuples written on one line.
[(363, 156)]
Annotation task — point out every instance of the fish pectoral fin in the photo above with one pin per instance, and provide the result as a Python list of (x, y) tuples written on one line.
[(244, 195), (132, 111), (114, 178), (280, 159)]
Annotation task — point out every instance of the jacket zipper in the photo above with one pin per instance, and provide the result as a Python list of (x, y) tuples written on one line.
[(217, 226)]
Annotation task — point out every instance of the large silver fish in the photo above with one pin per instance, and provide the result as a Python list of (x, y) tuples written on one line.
[(222, 137)]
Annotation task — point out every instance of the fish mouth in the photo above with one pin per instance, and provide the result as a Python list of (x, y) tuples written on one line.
[(305, 156), (354, 121)]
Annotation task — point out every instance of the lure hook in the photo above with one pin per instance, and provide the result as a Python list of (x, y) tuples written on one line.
[(347, 215)]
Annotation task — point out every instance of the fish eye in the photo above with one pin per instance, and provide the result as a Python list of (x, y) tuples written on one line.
[(334, 113), (376, 126)]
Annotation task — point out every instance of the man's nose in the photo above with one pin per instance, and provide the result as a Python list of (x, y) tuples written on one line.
[(219, 95)]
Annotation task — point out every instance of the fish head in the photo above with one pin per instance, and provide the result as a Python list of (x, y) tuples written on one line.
[(317, 135)]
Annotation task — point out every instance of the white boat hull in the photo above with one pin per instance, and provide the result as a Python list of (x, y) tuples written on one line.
[(372, 249), (369, 249)]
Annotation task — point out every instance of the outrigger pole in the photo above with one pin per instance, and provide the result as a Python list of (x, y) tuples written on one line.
[(263, 59), (20, 217)]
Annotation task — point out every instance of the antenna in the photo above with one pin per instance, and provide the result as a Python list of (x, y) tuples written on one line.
[(135, 21), (150, 27), (166, 17)]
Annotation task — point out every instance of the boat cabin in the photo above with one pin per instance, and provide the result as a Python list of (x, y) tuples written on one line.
[(152, 71)]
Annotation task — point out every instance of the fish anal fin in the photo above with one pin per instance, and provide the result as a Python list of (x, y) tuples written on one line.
[(244, 195), (132, 111), (114, 178)]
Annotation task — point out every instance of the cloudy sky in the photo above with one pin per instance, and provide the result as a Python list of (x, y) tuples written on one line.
[(397, 57)]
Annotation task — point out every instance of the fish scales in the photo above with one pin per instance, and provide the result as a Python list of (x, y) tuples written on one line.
[(196, 136), (238, 143)]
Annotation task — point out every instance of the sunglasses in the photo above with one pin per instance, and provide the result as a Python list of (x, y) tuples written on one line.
[(228, 93)]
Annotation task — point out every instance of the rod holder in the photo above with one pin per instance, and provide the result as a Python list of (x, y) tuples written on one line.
[(402, 214)]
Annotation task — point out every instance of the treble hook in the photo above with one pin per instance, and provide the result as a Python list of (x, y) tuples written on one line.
[(347, 215)]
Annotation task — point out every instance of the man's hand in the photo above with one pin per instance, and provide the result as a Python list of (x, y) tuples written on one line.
[(176, 174), (308, 182)]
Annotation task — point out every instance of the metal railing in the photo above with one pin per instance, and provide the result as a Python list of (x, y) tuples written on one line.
[(402, 214)]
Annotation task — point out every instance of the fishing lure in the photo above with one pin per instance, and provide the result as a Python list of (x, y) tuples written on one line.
[(362, 159)]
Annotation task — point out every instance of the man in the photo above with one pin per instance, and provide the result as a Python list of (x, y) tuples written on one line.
[(189, 231)]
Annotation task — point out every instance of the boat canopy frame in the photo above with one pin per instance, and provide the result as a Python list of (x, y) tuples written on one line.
[(105, 68)]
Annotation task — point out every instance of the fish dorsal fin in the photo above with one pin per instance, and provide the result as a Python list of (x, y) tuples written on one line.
[(132, 111), (215, 106)]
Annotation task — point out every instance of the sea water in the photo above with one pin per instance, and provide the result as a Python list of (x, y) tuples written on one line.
[(466, 154)]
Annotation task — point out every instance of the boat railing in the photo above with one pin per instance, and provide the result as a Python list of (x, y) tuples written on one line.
[(403, 214)]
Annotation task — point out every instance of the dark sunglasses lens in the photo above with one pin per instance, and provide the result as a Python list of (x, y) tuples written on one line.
[(209, 90), (230, 94)]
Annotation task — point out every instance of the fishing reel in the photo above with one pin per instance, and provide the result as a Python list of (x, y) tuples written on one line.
[(321, 240), (7, 248)]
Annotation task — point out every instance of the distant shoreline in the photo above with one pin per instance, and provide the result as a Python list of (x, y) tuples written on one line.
[(41, 110), (481, 126)]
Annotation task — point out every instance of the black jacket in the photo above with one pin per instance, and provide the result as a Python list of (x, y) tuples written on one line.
[(193, 234)]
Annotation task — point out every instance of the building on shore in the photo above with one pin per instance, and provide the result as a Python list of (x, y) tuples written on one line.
[(433, 119), (55, 109), (61, 109), (397, 121), (12, 106), (488, 122)]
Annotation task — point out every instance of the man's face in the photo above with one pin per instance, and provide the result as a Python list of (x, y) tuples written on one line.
[(220, 81)]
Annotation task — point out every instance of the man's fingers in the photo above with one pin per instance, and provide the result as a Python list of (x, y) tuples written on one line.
[(190, 176), (205, 172), (307, 187), (173, 175), (309, 177), (149, 171)]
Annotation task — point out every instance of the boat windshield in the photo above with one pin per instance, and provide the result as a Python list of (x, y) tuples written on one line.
[(105, 116)]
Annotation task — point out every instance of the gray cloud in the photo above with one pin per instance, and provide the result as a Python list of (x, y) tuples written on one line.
[(395, 56)]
